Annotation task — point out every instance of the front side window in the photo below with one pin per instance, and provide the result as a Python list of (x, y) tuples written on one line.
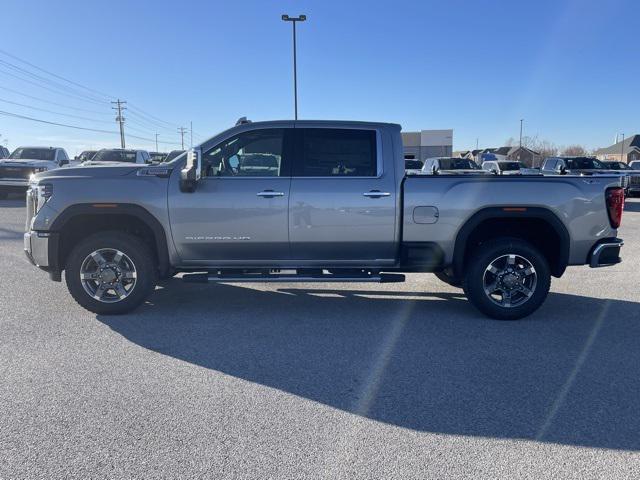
[(257, 153), (336, 152), (584, 163)]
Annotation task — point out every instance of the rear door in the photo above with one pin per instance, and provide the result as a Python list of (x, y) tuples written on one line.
[(238, 213), (343, 199)]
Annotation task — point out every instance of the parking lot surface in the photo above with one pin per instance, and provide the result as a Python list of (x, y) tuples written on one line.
[(319, 381)]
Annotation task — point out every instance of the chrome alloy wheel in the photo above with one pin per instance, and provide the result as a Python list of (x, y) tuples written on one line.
[(510, 280), (108, 275)]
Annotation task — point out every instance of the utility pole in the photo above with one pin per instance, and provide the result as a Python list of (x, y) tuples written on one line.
[(191, 133), (120, 119), (622, 149), (294, 20), (182, 131), (156, 142), (521, 120), (477, 143)]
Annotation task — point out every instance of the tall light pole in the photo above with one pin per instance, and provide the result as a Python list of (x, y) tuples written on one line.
[(521, 120), (622, 149), (157, 142), (293, 20)]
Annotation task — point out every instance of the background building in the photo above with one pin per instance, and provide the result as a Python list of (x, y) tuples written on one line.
[(626, 151), (427, 143)]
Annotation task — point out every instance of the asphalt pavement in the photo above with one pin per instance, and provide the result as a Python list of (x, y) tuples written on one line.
[(319, 381)]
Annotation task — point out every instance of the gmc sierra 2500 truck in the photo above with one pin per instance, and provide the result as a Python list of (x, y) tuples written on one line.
[(314, 201)]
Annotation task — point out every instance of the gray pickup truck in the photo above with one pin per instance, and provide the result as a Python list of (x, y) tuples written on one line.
[(314, 201)]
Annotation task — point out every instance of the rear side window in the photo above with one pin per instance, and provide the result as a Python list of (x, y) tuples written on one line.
[(336, 152)]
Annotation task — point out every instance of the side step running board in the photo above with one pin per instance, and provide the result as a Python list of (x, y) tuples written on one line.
[(206, 278)]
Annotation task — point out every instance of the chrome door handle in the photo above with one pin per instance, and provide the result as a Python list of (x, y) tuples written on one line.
[(376, 194), (270, 194)]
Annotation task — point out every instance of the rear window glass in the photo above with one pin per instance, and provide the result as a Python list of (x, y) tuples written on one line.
[(115, 156), (457, 164), (584, 163), (335, 152)]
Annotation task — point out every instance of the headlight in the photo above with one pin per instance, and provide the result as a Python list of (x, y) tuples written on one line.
[(43, 192)]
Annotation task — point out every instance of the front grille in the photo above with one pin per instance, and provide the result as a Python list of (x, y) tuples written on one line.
[(15, 172), (634, 180)]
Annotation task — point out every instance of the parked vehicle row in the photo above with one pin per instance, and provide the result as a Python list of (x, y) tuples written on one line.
[(17, 169), (19, 166), (315, 201)]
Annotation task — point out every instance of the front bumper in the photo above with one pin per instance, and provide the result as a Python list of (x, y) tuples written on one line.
[(605, 253), (36, 246)]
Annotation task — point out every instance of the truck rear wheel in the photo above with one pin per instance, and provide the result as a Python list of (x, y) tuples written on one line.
[(507, 279), (110, 273)]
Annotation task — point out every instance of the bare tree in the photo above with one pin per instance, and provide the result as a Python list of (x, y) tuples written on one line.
[(574, 151)]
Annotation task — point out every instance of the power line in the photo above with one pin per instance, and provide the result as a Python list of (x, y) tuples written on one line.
[(54, 75), (55, 113), (142, 112), (24, 117), (75, 97), (53, 103), (111, 132), (48, 81)]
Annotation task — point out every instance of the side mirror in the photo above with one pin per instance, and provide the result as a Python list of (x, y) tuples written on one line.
[(64, 161), (192, 172), (434, 169), (562, 170)]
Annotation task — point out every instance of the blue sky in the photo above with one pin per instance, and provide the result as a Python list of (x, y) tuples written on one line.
[(568, 67)]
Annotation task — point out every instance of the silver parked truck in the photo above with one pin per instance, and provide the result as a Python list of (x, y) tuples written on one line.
[(314, 201)]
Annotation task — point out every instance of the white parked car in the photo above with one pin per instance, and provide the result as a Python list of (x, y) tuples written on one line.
[(16, 170), (450, 165), (635, 165), (109, 156), (508, 167)]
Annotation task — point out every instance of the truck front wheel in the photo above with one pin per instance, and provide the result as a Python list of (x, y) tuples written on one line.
[(507, 279), (110, 273)]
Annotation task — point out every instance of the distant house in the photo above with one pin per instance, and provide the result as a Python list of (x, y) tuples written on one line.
[(529, 157), (626, 151)]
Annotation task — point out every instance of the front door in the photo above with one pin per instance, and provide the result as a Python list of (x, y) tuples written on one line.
[(239, 211)]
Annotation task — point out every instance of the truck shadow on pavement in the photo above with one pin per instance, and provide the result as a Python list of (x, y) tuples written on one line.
[(421, 361)]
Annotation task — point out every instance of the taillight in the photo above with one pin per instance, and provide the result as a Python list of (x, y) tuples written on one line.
[(615, 204)]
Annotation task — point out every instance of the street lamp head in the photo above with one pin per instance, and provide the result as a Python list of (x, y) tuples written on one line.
[(300, 18)]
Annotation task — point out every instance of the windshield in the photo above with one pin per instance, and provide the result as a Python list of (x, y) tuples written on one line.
[(584, 163), (173, 155), (457, 164), (510, 166), (34, 154), (128, 156)]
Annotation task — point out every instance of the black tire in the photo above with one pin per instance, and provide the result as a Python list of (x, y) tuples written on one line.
[(478, 264), (448, 279), (134, 249)]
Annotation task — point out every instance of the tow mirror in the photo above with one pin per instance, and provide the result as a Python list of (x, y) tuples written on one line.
[(562, 170), (191, 173), (434, 169)]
